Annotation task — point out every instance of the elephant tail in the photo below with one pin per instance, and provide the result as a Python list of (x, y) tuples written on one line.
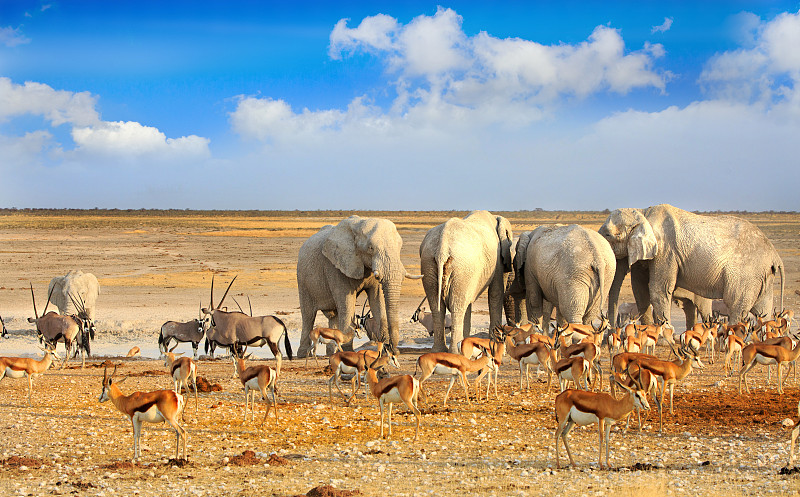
[(599, 278), (444, 272)]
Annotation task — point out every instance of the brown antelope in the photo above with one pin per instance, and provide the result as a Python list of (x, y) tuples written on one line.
[(455, 365), (404, 388), (52, 328), (20, 367), (473, 347), (528, 354), (330, 335), (734, 349), (578, 331), (760, 353), (642, 377), (788, 315), (257, 379), (182, 368), (787, 342), (586, 408), (146, 407), (668, 374), (574, 369), (355, 364), (134, 352), (614, 340), (619, 362), (701, 334), (589, 350)]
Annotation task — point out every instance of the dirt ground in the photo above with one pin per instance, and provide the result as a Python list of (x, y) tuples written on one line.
[(157, 267)]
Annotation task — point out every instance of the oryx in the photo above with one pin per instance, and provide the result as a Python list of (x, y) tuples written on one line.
[(52, 328), (4, 334), (236, 330), (191, 331)]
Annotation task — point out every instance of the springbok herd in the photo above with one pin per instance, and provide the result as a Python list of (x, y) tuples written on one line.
[(576, 354)]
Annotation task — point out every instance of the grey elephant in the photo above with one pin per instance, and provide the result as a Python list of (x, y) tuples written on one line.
[(337, 263), (714, 257), (570, 267), (461, 259), (83, 287)]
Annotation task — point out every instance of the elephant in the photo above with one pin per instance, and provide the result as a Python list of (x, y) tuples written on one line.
[(570, 267), (461, 259), (83, 287), (714, 257), (337, 263)]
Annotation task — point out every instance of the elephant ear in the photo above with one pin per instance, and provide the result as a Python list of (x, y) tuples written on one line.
[(642, 242), (56, 290), (340, 248), (506, 236)]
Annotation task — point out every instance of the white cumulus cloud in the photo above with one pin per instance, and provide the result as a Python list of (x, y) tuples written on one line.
[(131, 139), (57, 106)]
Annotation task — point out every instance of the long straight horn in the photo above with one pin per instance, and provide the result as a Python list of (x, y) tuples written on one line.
[(48, 300), (34, 303), (105, 374), (226, 292), (211, 304), (251, 305)]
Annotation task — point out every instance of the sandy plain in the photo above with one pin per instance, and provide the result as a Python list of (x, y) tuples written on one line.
[(157, 266)]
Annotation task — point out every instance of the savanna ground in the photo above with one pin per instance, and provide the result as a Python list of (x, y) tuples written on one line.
[(157, 266)]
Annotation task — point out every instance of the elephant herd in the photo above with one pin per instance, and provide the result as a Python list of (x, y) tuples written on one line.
[(670, 254)]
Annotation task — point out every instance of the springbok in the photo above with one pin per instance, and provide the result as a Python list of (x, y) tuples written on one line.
[(528, 354), (404, 388), (20, 367), (330, 335), (182, 368), (760, 353), (234, 330), (668, 374), (355, 364), (586, 408), (146, 407), (257, 379), (455, 365)]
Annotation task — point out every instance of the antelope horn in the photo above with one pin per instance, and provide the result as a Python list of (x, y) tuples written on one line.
[(211, 304), (105, 374), (237, 305), (251, 305), (226, 292), (34, 303), (48, 300)]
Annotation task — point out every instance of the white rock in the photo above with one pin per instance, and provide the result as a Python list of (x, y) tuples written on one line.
[(788, 423)]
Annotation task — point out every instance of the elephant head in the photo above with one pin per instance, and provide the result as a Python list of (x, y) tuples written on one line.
[(630, 234), (75, 286), (358, 246)]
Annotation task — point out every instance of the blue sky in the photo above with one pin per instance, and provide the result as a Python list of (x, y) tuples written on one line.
[(400, 105)]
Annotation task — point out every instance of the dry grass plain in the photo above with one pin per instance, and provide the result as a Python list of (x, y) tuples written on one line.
[(154, 267)]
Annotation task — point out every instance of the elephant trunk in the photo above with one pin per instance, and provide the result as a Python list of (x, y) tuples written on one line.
[(616, 286), (391, 273)]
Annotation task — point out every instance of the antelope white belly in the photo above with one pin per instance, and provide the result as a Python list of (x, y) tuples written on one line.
[(531, 359), (152, 415), (13, 373), (439, 369), (767, 361), (392, 395), (252, 384), (582, 418), (344, 369)]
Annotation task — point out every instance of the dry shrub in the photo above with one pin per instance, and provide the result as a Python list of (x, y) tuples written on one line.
[(276, 460), (17, 461), (204, 386), (248, 458), (329, 491)]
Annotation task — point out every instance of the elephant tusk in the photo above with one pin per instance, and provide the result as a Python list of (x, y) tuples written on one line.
[(413, 276)]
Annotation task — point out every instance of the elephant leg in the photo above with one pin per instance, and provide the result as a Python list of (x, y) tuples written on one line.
[(468, 321), (547, 313), (495, 303), (535, 303), (640, 284), (309, 314), (458, 313), (346, 310), (661, 289)]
